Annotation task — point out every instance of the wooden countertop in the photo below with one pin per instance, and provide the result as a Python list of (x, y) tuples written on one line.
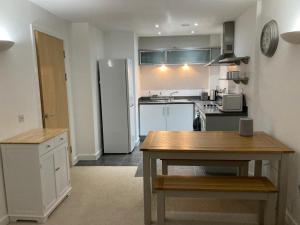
[(212, 142), (35, 136)]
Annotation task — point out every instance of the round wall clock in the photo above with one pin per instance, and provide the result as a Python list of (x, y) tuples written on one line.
[(269, 38)]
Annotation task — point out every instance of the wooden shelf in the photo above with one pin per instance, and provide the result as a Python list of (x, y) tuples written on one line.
[(238, 80)]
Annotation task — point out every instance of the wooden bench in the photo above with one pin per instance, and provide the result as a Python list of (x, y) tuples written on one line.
[(242, 165), (245, 188)]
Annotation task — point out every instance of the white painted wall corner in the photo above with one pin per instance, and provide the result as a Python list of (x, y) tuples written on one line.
[(4, 220), (85, 157)]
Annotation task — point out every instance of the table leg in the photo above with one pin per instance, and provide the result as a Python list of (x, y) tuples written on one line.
[(153, 172), (282, 185), (258, 168), (147, 188)]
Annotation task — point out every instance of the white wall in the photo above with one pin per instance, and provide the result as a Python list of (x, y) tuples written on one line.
[(245, 43), (173, 77), (278, 90), (19, 91), (273, 92), (87, 48)]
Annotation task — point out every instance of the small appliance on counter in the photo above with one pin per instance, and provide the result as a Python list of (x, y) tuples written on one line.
[(212, 95), (230, 102), (204, 96)]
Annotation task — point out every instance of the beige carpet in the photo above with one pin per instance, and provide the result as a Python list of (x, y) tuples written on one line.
[(113, 196)]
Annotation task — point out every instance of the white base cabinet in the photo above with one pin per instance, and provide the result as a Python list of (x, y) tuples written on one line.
[(36, 177), (167, 117)]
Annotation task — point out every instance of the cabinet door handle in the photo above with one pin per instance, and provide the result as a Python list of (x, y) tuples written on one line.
[(61, 138), (48, 146), (57, 169)]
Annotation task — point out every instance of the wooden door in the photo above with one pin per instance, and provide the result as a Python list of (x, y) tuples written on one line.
[(52, 77)]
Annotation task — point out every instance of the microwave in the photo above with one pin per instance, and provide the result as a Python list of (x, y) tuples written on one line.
[(230, 102)]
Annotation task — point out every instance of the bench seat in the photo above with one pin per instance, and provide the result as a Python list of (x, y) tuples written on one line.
[(223, 187)]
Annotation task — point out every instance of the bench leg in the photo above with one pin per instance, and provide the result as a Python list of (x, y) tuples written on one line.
[(161, 211), (258, 168), (270, 210), (153, 172), (244, 169), (164, 167)]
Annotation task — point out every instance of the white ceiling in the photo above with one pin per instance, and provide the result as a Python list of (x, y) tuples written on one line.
[(142, 15)]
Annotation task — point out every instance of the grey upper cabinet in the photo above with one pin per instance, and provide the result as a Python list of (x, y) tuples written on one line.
[(152, 57), (199, 56), (178, 56)]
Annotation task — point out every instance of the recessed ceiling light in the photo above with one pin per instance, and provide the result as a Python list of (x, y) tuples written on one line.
[(156, 25), (193, 32), (159, 33), (196, 24)]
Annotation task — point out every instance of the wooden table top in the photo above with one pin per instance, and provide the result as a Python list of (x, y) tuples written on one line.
[(35, 136), (212, 142)]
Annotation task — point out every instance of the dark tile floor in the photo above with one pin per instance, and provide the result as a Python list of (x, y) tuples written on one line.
[(132, 159), (136, 159)]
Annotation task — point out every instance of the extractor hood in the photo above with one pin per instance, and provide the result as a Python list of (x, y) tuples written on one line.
[(227, 56)]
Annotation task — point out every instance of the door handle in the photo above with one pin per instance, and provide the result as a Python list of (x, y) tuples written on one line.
[(47, 116)]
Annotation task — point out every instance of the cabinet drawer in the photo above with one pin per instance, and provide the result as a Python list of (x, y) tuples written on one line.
[(62, 138), (46, 146)]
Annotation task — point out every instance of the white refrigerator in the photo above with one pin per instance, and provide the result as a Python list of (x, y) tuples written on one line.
[(117, 105)]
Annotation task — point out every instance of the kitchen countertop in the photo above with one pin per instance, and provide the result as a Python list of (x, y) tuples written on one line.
[(200, 105), (176, 100), (214, 111), (35, 136)]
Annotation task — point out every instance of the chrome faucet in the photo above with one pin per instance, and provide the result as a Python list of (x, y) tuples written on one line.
[(171, 95)]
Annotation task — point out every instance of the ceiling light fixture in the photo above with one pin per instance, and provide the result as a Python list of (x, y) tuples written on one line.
[(193, 32), (159, 33), (196, 24), (156, 25), (163, 68), (185, 67), (5, 40)]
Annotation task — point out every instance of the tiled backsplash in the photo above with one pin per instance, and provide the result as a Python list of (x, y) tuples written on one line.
[(193, 92)]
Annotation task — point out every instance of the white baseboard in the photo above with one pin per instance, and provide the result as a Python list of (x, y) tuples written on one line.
[(289, 219), (4, 220), (75, 160), (94, 156)]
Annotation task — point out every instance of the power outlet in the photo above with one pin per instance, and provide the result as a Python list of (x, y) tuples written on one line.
[(21, 118)]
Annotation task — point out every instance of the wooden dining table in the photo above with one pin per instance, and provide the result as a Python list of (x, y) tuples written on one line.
[(214, 145)]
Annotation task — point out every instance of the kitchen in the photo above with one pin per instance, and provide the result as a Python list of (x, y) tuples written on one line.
[(143, 93), (192, 65)]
